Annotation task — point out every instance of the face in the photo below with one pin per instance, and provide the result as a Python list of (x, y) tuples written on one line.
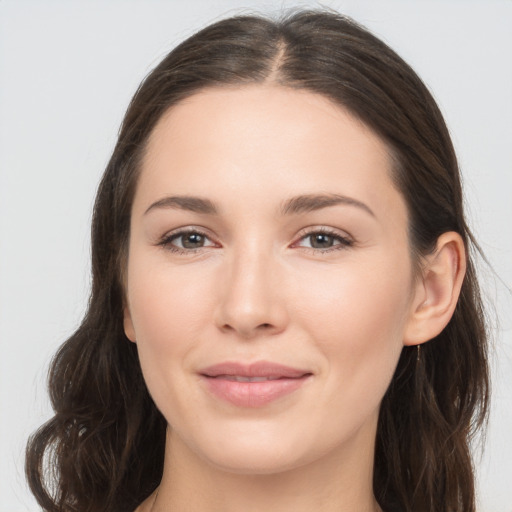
[(269, 281)]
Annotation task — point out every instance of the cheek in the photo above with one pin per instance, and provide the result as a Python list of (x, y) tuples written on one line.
[(168, 313), (166, 307), (357, 320), (364, 302)]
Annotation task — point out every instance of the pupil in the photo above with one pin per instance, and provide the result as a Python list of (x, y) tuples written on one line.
[(321, 241), (193, 241)]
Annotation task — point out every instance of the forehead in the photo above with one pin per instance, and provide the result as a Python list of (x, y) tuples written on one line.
[(268, 141)]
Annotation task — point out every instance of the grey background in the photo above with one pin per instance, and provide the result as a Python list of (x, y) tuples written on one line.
[(67, 72)]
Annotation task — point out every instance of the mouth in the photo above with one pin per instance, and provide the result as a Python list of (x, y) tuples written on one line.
[(253, 385), (241, 378)]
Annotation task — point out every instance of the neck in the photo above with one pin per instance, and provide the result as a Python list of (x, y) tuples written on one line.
[(340, 482)]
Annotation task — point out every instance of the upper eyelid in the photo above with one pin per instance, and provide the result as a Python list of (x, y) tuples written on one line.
[(325, 230), (303, 233), (184, 231)]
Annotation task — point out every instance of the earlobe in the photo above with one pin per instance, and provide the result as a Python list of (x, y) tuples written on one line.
[(128, 325), (438, 290)]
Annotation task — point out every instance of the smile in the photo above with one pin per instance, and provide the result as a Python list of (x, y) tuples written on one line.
[(254, 385), (239, 378)]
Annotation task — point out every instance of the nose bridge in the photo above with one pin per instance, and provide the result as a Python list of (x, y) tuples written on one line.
[(251, 300)]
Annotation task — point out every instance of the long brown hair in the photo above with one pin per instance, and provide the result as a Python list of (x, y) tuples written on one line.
[(103, 449)]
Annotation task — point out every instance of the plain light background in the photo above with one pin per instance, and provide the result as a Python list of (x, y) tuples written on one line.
[(67, 72)]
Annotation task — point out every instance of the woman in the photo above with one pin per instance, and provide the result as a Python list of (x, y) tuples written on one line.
[(284, 313)]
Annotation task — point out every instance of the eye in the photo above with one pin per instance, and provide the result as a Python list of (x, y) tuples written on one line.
[(324, 240), (186, 241)]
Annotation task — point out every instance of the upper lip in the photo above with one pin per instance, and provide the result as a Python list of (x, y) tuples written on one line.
[(256, 369)]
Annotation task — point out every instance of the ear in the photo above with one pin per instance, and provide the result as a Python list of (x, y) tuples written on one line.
[(128, 324), (437, 290)]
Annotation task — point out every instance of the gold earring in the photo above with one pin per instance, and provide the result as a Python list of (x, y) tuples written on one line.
[(418, 354)]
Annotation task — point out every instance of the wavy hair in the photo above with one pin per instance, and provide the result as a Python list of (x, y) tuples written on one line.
[(103, 449)]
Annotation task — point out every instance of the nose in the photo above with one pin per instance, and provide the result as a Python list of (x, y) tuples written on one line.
[(251, 296)]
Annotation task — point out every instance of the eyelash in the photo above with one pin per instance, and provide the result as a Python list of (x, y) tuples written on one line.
[(167, 240), (344, 242)]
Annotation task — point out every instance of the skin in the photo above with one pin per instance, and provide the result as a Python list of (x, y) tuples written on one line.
[(259, 289)]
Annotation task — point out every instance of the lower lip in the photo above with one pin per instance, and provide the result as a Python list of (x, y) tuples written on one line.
[(253, 394)]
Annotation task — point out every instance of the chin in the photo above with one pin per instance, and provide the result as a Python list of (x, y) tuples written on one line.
[(260, 451), (254, 462), (255, 451)]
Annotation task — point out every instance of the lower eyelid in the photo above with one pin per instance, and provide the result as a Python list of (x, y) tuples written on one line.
[(343, 240), (167, 240), (340, 241)]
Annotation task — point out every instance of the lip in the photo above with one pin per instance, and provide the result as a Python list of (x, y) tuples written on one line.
[(220, 380)]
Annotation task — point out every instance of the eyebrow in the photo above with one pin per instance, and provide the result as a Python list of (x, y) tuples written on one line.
[(189, 203), (295, 205), (312, 202)]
